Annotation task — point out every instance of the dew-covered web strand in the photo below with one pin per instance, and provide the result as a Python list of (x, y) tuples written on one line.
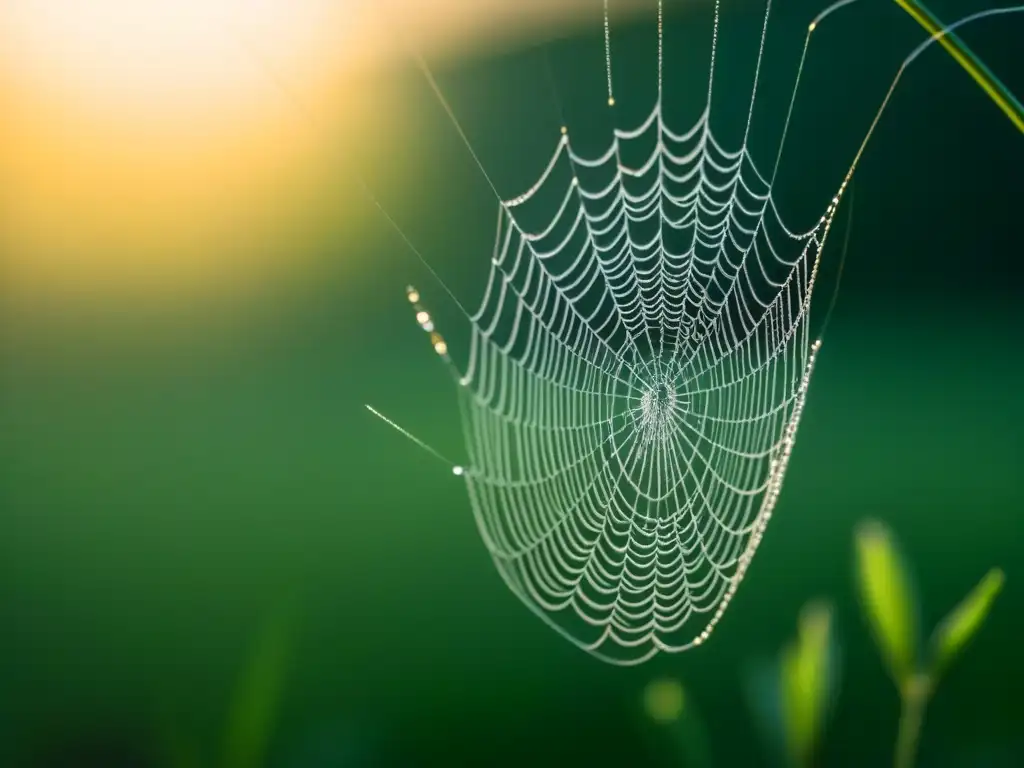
[(622, 491), (848, 231), (608, 55)]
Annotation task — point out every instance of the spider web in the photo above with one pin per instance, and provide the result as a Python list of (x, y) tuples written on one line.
[(637, 370), (638, 367)]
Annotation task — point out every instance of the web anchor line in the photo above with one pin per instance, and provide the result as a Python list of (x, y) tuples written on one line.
[(274, 77), (457, 469)]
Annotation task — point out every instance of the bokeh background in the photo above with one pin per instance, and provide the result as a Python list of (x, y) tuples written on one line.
[(198, 299)]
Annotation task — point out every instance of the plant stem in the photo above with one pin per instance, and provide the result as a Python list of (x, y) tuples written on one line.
[(999, 93), (915, 695)]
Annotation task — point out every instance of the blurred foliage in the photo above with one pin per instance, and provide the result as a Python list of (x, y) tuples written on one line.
[(252, 714), (808, 672), (664, 700), (887, 598), (793, 697), (677, 721), (891, 610), (257, 697), (954, 632)]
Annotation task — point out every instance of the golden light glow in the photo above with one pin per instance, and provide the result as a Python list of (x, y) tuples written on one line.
[(157, 55), (146, 145), (166, 145)]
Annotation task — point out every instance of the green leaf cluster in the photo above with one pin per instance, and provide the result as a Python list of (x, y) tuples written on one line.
[(793, 697), (891, 610)]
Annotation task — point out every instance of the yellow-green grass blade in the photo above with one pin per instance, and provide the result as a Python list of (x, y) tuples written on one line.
[(960, 625), (806, 672), (887, 598), (258, 695), (999, 93)]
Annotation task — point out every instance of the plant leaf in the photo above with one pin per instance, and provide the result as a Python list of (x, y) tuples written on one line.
[(664, 700), (959, 626), (667, 705), (807, 680), (252, 716), (887, 598)]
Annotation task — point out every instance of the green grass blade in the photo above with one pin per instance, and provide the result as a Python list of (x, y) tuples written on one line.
[(806, 684), (257, 697), (989, 83), (887, 598), (960, 625)]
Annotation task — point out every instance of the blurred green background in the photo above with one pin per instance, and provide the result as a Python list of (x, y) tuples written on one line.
[(174, 478)]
